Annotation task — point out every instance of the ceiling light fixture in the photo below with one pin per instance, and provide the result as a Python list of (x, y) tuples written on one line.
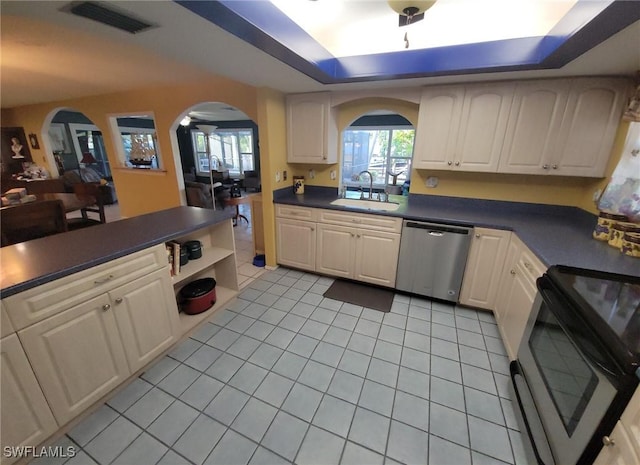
[(410, 11)]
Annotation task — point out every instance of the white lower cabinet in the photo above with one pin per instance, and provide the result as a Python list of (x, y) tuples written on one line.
[(296, 243), (77, 356), (356, 246), (376, 259), (623, 444), (360, 254), (147, 317), (84, 352), (620, 449), (26, 417), (517, 293), (484, 268), (336, 250)]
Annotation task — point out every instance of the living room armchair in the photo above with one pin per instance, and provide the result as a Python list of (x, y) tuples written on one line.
[(198, 194)]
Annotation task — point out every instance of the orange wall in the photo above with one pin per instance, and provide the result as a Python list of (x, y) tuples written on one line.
[(141, 191)]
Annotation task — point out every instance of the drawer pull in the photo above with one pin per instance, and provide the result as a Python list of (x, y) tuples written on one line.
[(106, 307), (477, 236), (119, 300), (354, 220), (513, 272), (608, 442), (103, 280), (528, 266)]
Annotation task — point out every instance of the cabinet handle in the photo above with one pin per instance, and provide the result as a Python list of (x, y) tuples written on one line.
[(513, 272), (608, 442), (527, 265), (457, 163), (555, 167), (449, 163), (545, 167), (324, 157), (106, 307), (354, 220), (313, 229), (358, 236), (103, 280), (119, 300), (477, 236), (352, 235)]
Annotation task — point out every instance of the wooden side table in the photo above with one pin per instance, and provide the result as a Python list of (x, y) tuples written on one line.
[(238, 201)]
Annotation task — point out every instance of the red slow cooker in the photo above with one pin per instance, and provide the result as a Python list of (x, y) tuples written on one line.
[(198, 296)]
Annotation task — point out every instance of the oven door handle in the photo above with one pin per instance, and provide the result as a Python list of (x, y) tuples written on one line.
[(588, 345)]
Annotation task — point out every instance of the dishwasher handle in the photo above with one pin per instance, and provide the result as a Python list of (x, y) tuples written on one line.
[(436, 229)]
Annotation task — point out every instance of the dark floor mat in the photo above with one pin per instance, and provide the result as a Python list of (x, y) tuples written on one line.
[(360, 294)]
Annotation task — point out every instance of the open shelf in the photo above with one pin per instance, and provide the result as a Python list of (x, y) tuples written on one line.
[(223, 297), (210, 256)]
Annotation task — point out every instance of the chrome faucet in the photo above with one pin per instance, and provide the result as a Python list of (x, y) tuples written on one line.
[(370, 181)]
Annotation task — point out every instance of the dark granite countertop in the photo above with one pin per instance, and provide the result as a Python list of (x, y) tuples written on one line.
[(29, 264), (558, 235)]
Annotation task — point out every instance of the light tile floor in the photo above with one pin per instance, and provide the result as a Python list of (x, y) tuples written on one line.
[(284, 375)]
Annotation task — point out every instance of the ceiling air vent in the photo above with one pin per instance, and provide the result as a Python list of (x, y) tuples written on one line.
[(105, 14)]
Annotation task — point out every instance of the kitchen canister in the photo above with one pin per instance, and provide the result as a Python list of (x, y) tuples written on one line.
[(631, 244), (618, 231), (606, 220), (298, 184), (194, 248)]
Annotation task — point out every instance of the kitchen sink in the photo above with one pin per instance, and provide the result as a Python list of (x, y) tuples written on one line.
[(367, 204)]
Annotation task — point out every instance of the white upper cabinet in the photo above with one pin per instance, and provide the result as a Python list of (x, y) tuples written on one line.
[(589, 126), (462, 127), (482, 127), (532, 132), (438, 123), (312, 133), (563, 127)]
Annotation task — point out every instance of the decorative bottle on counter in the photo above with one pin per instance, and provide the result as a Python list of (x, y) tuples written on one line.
[(298, 184)]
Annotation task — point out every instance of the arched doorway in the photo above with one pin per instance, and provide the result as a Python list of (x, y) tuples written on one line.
[(219, 154)]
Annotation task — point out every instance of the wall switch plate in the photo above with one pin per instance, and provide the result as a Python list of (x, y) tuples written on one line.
[(431, 181), (277, 176), (332, 174), (312, 174), (284, 175)]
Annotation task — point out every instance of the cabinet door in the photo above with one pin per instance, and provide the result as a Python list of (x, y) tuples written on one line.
[(25, 419), (631, 420), (483, 123), (335, 250), (532, 132), (376, 259), (589, 127), (310, 134), (484, 268), (296, 243), (438, 123), (518, 301), (77, 356), (621, 451), (147, 317)]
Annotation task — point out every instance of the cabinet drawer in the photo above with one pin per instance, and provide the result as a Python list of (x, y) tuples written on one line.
[(33, 305), (296, 213), (360, 220)]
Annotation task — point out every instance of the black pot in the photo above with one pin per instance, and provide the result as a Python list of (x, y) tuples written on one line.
[(184, 256), (194, 249), (198, 296)]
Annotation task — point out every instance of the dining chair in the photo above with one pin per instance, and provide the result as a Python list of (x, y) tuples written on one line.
[(31, 221), (88, 189)]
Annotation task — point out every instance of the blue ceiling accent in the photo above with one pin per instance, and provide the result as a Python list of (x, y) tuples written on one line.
[(263, 25)]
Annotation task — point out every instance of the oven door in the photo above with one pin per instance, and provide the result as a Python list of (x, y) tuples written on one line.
[(571, 378)]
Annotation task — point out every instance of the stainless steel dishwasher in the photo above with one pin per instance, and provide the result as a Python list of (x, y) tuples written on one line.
[(432, 259)]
